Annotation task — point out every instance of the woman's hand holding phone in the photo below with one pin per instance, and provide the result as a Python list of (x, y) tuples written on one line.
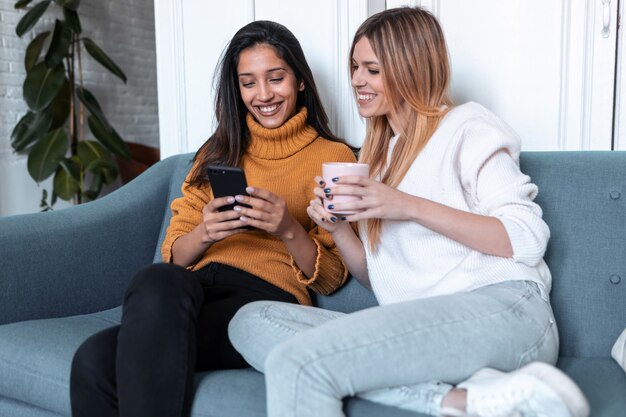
[(215, 226), (253, 207), (219, 225), (267, 212)]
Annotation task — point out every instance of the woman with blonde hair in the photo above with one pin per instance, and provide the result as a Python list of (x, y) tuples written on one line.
[(450, 242)]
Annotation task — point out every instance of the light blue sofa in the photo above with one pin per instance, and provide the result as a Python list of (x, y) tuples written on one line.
[(63, 273)]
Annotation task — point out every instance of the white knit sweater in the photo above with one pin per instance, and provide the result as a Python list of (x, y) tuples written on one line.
[(471, 163)]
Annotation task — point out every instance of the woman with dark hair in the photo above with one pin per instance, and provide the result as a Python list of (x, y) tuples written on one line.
[(231, 138), (271, 123)]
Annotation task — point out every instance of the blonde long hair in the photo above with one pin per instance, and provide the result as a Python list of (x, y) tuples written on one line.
[(413, 58)]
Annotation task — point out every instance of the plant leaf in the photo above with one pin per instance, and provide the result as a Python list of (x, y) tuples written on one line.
[(72, 20), (68, 4), (65, 185), (20, 5), (97, 165), (31, 18), (59, 109), (104, 168), (46, 154), (109, 138), (72, 166), (59, 45), (93, 106), (89, 151), (42, 84), (43, 204), (21, 129), (30, 128), (94, 189), (98, 54), (34, 50)]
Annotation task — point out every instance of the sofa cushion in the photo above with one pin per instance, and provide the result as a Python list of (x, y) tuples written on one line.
[(12, 408), (603, 382), (35, 360), (35, 357), (351, 297), (241, 392)]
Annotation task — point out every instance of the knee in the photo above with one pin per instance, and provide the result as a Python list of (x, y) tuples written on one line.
[(304, 362), (161, 284), (246, 322), (288, 358), (93, 358), (291, 364)]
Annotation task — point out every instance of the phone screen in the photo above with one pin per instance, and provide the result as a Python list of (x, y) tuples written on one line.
[(227, 181)]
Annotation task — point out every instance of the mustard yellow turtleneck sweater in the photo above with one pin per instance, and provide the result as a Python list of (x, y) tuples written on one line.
[(284, 161)]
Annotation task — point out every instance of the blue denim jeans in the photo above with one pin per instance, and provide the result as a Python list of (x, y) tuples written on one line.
[(407, 355)]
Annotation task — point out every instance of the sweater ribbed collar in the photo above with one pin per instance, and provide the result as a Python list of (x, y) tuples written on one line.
[(281, 142)]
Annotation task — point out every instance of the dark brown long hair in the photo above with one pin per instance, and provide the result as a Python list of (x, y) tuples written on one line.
[(228, 143)]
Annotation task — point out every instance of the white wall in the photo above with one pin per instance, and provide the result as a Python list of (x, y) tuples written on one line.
[(191, 35), (544, 67), (125, 30), (619, 142)]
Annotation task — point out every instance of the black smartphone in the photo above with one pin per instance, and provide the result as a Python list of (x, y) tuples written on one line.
[(227, 181)]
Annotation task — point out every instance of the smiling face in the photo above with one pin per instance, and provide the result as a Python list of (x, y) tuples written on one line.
[(367, 80), (268, 86)]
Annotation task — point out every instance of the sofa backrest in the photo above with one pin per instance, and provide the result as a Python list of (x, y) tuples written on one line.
[(183, 165), (583, 197)]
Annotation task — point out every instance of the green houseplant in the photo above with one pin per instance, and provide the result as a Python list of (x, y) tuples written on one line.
[(52, 132)]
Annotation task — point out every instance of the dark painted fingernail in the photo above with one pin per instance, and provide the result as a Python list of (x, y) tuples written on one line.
[(331, 206), (333, 219), (327, 190), (323, 219), (322, 183), (335, 179), (343, 218)]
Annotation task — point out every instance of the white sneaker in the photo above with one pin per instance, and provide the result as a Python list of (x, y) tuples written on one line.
[(537, 390)]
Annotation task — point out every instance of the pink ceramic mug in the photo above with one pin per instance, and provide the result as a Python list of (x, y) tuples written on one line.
[(332, 170)]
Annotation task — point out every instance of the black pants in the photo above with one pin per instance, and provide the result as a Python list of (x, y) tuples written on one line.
[(174, 323)]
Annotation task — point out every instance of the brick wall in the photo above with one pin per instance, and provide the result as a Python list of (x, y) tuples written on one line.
[(125, 31)]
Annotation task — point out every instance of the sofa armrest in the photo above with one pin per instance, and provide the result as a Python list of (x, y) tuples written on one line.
[(80, 259)]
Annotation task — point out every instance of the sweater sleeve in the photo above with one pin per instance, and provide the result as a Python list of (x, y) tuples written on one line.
[(186, 215), (495, 186), (330, 271)]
